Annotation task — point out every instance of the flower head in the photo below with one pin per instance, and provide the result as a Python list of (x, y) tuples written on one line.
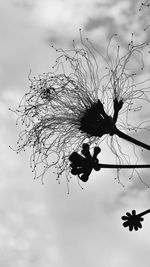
[(132, 221), (76, 103), (83, 166)]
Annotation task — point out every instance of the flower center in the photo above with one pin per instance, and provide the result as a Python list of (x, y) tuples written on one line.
[(96, 122)]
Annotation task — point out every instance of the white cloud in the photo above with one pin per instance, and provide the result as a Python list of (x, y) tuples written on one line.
[(41, 225), (63, 17)]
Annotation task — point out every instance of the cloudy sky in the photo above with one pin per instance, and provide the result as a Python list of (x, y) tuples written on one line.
[(41, 225)]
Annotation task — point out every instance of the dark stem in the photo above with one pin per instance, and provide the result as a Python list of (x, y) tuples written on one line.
[(117, 106), (131, 139), (114, 166), (143, 213)]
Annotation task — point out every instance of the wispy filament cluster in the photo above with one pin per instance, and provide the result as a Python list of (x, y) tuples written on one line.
[(81, 101)]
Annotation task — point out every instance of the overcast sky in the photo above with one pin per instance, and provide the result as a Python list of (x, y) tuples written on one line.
[(41, 225)]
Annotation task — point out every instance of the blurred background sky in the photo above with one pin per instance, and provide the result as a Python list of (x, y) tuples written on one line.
[(40, 225)]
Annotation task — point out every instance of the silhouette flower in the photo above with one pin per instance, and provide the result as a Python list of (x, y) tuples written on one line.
[(132, 220), (70, 105), (82, 166)]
